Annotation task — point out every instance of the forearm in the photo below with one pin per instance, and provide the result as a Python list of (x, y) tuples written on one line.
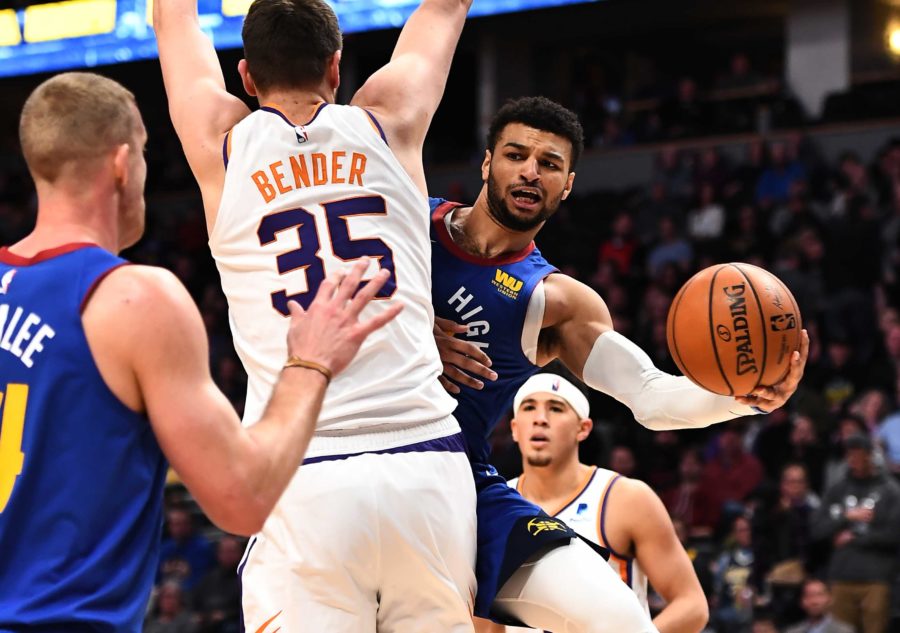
[(685, 614), (659, 401)]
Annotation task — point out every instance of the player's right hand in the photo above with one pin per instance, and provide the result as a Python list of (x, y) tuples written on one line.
[(329, 331), (460, 358)]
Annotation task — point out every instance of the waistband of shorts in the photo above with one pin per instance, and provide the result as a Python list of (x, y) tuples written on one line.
[(447, 444), (384, 439)]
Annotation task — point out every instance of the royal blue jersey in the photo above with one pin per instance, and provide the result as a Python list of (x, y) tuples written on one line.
[(81, 475), (491, 297)]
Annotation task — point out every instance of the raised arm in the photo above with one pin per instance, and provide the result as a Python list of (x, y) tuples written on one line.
[(578, 330), (661, 556), (149, 343), (202, 111), (405, 93)]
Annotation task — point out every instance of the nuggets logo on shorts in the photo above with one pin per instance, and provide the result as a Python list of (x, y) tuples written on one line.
[(544, 524)]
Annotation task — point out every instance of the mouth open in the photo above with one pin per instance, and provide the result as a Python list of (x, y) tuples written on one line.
[(526, 198), (539, 439)]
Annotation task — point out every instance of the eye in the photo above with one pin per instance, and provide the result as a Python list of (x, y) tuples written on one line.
[(528, 407), (514, 156), (557, 409), (549, 164)]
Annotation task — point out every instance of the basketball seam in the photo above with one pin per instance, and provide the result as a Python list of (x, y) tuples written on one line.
[(712, 333), (762, 318), (799, 322), (680, 362)]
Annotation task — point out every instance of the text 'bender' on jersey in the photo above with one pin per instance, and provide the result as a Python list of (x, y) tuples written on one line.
[(81, 475), (302, 201), (495, 298)]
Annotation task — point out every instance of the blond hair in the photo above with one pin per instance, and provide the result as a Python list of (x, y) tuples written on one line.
[(74, 117)]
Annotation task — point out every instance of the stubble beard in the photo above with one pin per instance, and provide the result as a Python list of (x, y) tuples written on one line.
[(504, 216)]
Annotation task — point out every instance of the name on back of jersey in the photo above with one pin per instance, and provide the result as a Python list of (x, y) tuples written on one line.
[(309, 170), (23, 338)]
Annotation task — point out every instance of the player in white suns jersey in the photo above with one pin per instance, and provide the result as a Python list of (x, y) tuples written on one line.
[(369, 535), (621, 514)]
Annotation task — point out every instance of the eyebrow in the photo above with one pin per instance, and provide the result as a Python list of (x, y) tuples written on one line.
[(554, 155), (558, 401)]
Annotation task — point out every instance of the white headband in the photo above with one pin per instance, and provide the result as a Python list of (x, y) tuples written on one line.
[(551, 383)]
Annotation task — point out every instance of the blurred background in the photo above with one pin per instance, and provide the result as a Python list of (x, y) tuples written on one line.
[(765, 131)]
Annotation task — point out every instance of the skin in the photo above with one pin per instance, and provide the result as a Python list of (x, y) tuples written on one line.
[(150, 346), (403, 95), (548, 432), (575, 315)]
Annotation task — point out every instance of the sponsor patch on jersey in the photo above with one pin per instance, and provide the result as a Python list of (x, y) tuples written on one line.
[(506, 284), (545, 524)]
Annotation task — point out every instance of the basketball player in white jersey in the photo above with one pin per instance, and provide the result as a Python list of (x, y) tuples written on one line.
[(377, 530), (624, 515)]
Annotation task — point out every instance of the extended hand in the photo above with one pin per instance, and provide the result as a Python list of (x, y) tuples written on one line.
[(460, 358), (770, 398), (329, 331)]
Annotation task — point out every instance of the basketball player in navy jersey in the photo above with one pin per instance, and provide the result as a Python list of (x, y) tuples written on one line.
[(104, 376), (511, 304)]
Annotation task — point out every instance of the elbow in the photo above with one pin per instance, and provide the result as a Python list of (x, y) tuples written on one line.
[(700, 614), (242, 521)]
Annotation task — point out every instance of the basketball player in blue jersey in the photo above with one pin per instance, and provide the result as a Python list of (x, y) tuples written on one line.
[(104, 375), (514, 306), (551, 418)]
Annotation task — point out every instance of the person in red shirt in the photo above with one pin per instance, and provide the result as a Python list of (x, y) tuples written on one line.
[(733, 472)]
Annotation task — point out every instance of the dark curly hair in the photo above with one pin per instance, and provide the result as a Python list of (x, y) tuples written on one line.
[(542, 114)]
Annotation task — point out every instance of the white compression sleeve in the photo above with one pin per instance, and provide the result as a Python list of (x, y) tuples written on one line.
[(659, 401)]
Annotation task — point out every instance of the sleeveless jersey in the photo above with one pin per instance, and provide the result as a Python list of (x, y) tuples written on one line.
[(81, 475), (302, 201), (491, 297), (586, 514)]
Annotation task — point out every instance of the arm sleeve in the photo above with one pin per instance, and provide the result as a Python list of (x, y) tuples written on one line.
[(659, 401)]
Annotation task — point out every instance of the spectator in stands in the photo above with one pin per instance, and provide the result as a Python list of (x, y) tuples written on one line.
[(771, 445), (733, 471), (763, 622), (622, 461), (183, 556), (217, 597), (816, 602), (622, 247), (673, 170), (888, 434), (860, 516), (706, 222), (685, 115), (734, 595), (775, 180), (671, 248), (740, 76), (693, 500), (169, 614), (807, 450)]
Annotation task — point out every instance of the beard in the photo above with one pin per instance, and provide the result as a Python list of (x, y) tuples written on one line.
[(510, 219), (538, 461)]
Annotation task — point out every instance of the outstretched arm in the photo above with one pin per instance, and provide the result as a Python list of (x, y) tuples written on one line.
[(149, 342), (405, 93), (578, 330), (202, 110)]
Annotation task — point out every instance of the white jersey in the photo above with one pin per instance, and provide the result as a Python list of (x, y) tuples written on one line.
[(300, 202), (586, 514)]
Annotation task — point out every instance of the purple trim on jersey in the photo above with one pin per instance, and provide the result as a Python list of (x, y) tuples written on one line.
[(444, 236), (225, 148), (629, 566), (377, 125), (240, 574), (6, 257), (448, 444), (93, 286), (275, 110), (603, 521), (581, 492)]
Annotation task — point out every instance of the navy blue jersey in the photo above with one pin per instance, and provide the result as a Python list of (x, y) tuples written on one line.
[(81, 475), (491, 297)]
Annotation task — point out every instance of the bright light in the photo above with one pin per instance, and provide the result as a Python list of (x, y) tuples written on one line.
[(894, 41)]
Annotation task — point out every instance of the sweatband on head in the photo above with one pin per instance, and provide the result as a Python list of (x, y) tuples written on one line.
[(554, 384)]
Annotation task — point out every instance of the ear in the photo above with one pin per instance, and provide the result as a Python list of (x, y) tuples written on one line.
[(569, 182), (486, 165), (334, 71), (514, 426), (121, 161), (246, 79), (585, 427)]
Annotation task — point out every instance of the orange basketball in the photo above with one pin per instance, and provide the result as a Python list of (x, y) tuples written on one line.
[(733, 327)]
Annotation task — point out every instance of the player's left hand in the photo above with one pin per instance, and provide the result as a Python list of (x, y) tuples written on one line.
[(770, 398), (462, 360)]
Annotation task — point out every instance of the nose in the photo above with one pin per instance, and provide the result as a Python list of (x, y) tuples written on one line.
[(530, 171)]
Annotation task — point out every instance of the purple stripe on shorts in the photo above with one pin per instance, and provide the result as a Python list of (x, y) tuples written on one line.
[(449, 444)]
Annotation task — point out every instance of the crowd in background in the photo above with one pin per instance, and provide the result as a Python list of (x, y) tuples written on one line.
[(761, 503)]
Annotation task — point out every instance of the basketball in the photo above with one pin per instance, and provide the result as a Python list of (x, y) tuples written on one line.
[(733, 327)]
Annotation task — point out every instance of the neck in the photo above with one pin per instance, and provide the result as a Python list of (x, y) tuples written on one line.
[(298, 105), (65, 218), (476, 231), (545, 485)]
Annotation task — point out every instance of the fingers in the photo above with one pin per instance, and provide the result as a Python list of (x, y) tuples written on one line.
[(449, 386), (295, 309), (381, 319), (367, 292), (459, 376), (450, 327), (471, 350), (350, 283), (469, 365)]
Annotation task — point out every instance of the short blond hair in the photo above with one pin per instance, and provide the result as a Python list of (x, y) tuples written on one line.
[(74, 117)]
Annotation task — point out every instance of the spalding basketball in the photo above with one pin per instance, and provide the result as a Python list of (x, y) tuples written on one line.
[(733, 327)]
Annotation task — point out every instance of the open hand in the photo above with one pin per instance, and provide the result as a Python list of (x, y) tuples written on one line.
[(770, 398), (460, 358)]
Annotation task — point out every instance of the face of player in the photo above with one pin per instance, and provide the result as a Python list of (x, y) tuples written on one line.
[(548, 430), (132, 206), (528, 173), (815, 600)]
